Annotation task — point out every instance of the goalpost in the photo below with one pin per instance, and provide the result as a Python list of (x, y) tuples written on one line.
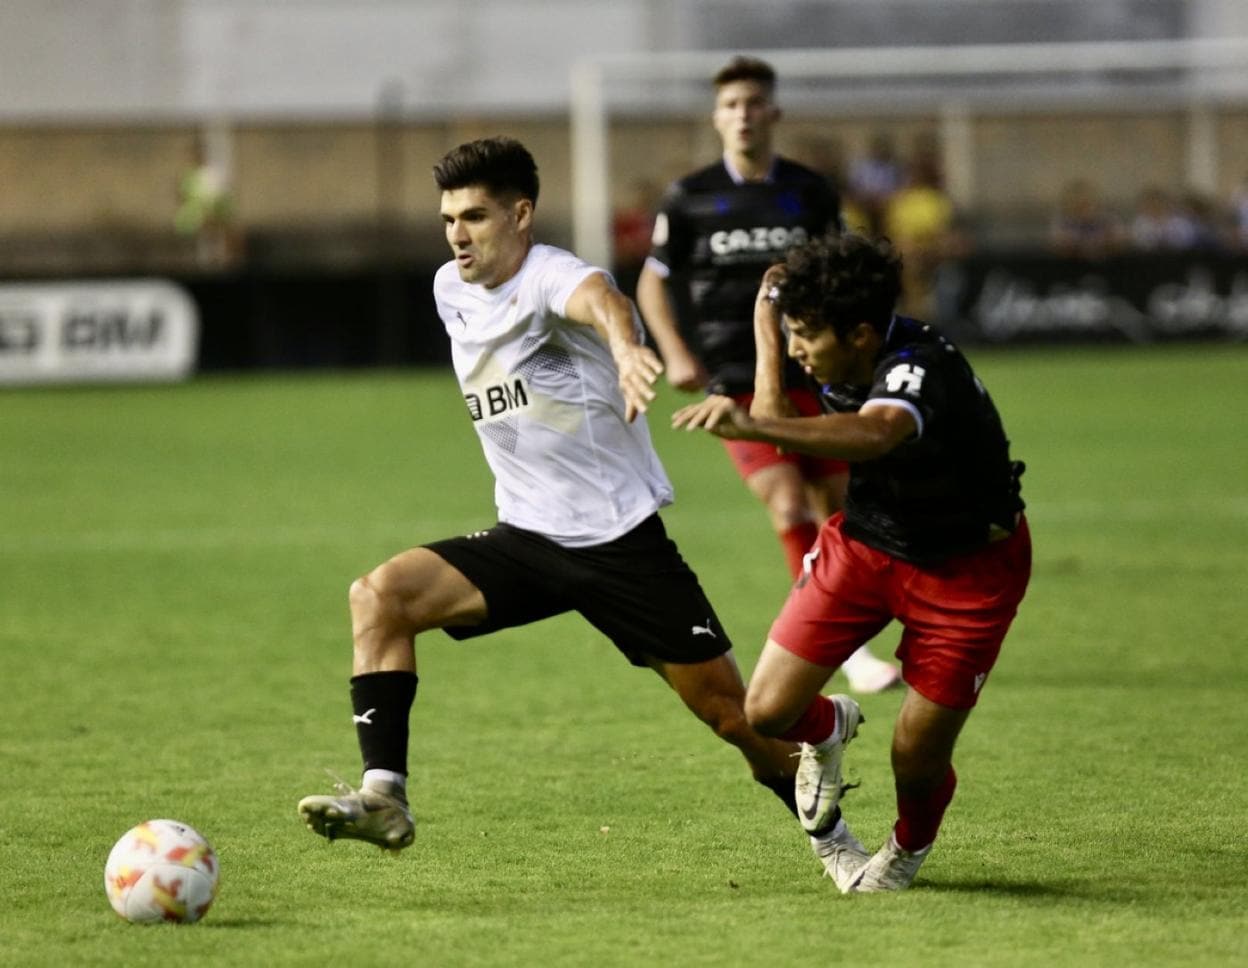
[(952, 83)]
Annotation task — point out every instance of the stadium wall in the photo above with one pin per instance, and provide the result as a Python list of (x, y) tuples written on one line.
[(102, 195), (341, 231)]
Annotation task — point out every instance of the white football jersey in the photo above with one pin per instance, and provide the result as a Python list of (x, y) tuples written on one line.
[(543, 395)]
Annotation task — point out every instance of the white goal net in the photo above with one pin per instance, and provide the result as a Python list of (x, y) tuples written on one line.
[(952, 84)]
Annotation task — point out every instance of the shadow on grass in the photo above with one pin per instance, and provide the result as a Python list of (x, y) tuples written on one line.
[(233, 924), (1041, 890)]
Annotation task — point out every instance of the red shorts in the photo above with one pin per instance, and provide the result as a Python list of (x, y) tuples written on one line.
[(750, 456), (954, 615)]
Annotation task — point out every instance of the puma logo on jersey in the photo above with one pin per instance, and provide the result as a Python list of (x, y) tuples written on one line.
[(761, 238), (705, 630), (498, 400)]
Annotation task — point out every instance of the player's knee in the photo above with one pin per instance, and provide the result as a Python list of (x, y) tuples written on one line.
[(789, 511), (362, 597), (728, 721), (784, 494), (373, 603)]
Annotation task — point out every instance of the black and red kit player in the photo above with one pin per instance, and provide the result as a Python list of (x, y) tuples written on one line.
[(932, 536)]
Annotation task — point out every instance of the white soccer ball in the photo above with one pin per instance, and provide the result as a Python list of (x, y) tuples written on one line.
[(161, 870)]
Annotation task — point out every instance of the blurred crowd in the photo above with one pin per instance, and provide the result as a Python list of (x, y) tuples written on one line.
[(905, 199), (902, 194), (1084, 225)]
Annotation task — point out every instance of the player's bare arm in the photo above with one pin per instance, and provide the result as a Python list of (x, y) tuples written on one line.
[(684, 370), (770, 400), (597, 303), (847, 436)]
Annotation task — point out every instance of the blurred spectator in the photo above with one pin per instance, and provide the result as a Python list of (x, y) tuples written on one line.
[(1239, 215), (1162, 223), (873, 179), (826, 155), (921, 220), (1156, 223), (206, 209), (1199, 222), (1083, 226), (925, 151)]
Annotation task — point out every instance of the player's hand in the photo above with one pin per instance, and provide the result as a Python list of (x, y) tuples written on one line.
[(718, 414), (685, 371), (639, 369), (772, 277), (687, 375)]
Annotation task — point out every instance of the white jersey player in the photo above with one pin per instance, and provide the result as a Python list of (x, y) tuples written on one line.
[(541, 390), (555, 377)]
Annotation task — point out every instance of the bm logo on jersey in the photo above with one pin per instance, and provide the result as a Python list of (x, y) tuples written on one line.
[(498, 400)]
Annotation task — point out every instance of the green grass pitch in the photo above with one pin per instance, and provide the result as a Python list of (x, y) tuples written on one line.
[(173, 572)]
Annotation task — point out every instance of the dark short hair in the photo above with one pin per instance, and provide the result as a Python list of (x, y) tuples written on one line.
[(742, 68), (502, 165), (839, 281)]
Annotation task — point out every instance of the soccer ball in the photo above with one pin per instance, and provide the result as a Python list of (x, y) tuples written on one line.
[(161, 870)]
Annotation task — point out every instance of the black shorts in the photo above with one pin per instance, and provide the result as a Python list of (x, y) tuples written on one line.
[(637, 590)]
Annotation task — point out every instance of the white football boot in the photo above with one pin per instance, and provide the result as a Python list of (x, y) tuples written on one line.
[(868, 675), (890, 869), (380, 817), (818, 786), (841, 854)]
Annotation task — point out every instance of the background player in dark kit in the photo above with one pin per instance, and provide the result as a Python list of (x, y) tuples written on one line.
[(716, 232)]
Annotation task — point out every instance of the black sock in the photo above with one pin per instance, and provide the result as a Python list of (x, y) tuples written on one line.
[(783, 788), (382, 702), (827, 827)]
